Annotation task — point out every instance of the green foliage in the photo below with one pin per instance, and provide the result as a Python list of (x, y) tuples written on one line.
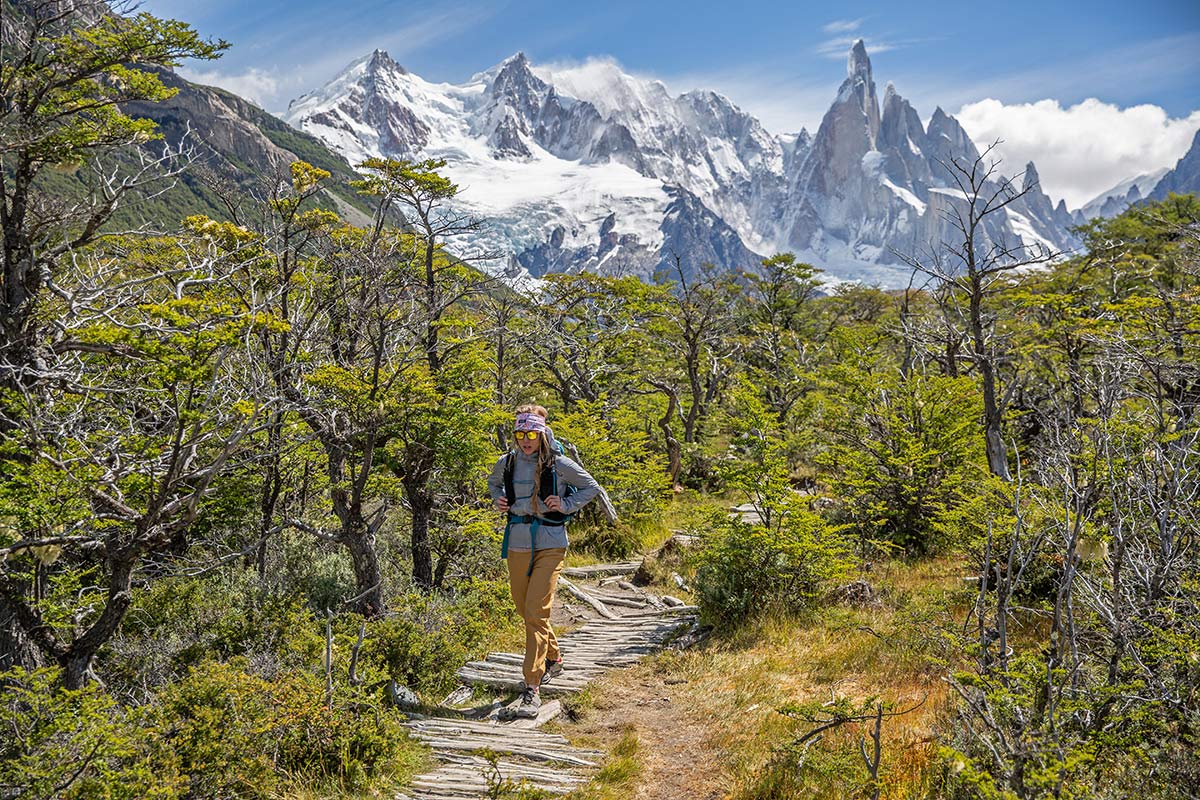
[(747, 570), (64, 744), (179, 622), (903, 452), (78, 71), (784, 561), (238, 735), (424, 643), (617, 451)]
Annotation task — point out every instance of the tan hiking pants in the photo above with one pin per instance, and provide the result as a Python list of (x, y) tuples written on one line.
[(534, 595)]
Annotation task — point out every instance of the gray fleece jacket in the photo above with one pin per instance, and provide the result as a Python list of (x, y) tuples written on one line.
[(569, 473)]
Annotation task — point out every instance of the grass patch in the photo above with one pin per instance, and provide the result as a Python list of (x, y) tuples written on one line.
[(619, 775), (896, 651)]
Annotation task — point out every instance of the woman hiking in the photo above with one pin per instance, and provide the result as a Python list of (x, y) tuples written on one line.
[(539, 489)]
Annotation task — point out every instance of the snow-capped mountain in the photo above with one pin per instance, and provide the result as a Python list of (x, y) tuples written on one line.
[(1113, 201), (592, 168), (875, 183)]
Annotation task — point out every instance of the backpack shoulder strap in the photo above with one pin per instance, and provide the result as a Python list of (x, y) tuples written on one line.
[(510, 493)]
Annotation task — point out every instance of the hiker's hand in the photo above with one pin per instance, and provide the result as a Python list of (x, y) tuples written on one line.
[(554, 503), (502, 504)]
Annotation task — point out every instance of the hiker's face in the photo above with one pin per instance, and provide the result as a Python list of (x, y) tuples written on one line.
[(528, 441)]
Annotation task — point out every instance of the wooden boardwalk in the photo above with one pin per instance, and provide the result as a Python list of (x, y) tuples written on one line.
[(624, 625)]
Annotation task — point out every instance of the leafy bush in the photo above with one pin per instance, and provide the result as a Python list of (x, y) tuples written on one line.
[(176, 623), (430, 636), (784, 561), (56, 743), (747, 569), (904, 451), (237, 735)]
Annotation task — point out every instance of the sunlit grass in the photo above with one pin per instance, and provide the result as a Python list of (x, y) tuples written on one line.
[(897, 651), (618, 776)]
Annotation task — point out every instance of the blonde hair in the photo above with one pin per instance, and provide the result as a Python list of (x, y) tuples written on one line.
[(545, 454)]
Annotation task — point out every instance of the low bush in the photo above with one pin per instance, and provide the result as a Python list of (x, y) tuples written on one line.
[(64, 744), (238, 735), (747, 569)]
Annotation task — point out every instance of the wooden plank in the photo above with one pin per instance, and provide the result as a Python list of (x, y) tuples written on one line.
[(601, 609), (622, 568), (548, 711)]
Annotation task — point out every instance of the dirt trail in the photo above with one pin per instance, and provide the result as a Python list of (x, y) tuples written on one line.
[(679, 761)]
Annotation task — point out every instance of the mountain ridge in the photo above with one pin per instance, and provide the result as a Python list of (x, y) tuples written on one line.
[(549, 156)]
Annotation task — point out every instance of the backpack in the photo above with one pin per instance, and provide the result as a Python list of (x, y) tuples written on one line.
[(548, 485)]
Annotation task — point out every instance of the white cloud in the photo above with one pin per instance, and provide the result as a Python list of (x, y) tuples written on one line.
[(839, 46), (256, 85), (1083, 149), (842, 25)]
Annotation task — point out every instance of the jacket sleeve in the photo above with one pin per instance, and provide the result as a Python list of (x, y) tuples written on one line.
[(586, 488), (496, 479)]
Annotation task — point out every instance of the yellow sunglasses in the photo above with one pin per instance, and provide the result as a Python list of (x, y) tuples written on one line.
[(530, 435)]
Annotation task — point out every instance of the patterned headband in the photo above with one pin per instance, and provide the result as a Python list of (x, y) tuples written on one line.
[(531, 422)]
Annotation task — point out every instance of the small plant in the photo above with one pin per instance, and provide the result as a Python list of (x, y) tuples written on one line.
[(502, 788)]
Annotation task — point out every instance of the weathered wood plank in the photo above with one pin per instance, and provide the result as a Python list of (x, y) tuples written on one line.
[(601, 609), (623, 568)]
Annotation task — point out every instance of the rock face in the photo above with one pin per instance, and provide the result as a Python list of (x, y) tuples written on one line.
[(1184, 178), (235, 145), (591, 168)]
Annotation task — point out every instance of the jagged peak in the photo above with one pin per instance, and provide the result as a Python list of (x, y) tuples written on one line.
[(516, 64), (1032, 178), (859, 64), (380, 60), (889, 91)]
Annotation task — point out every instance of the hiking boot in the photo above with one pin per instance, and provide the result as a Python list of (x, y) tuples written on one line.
[(531, 704), (553, 670)]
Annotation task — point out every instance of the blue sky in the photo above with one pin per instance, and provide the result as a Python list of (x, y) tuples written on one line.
[(781, 61)]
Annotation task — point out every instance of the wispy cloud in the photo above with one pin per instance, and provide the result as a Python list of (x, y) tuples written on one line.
[(842, 25), (838, 46), (256, 85)]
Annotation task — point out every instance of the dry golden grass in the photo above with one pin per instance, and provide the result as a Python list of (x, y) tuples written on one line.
[(729, 694)]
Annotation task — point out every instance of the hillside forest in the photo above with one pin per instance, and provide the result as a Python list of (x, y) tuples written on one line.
[(243, 463)]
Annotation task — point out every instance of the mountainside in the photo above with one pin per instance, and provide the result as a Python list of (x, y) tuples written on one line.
[(1184, 178), (1113, 201), (591, 168), (238, 151)]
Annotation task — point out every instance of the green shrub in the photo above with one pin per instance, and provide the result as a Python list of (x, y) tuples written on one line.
[(237, 735), (64, 744), (903, 453), (176, 623), (429, 637), (746, 569)]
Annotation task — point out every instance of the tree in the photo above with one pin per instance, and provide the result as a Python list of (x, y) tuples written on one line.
[(780, 330), (970, 270), (68, 67), (156, 399), (695, 327), (442, 284)]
